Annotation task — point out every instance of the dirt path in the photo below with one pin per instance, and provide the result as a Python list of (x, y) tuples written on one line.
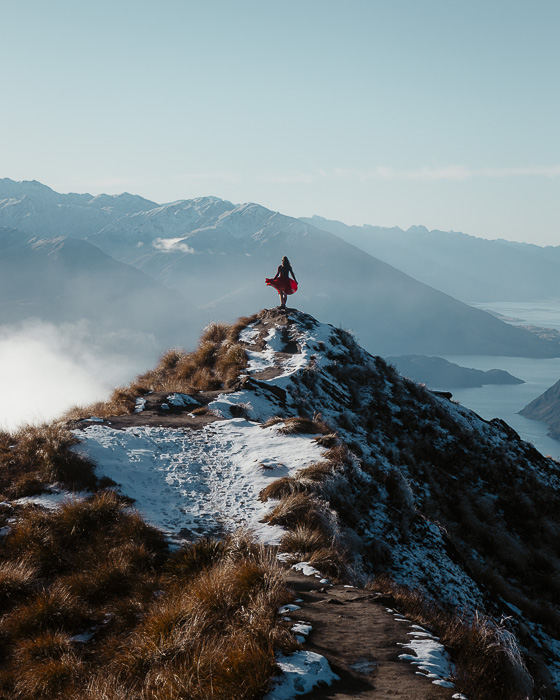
[(359, 638), (170, 417)]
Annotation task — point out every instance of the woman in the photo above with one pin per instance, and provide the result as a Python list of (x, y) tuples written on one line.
[(282, 282)]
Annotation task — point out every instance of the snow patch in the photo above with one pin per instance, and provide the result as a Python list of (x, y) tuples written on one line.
[(301, 672), (197, 482), (430, 657)]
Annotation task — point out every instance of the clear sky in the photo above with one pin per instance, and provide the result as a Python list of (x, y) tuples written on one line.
[(389, 112)]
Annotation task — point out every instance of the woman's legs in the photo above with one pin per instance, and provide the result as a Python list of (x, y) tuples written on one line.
[(283, 297)]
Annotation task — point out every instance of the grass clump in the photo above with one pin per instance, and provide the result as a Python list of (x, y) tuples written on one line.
[(280, 488), (192, 558), (38, 455), (216, 363), (300, 424), (198, 623)]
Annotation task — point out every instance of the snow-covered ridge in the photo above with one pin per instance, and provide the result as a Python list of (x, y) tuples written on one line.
[(416, 456)]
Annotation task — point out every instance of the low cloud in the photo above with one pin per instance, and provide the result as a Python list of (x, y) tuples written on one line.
[(172, 245), (45, 369)]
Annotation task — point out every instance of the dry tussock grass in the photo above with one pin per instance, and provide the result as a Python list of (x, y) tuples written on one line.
[(17, 578), (282, 487), (318, 471), (488, 662), (213, 633), (328, 440), (216, 363), (304, 540), (94, 565), (38, 455), (300, 424)]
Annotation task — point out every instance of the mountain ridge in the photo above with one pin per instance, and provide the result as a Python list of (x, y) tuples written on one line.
[(465, 266), (410, 486)]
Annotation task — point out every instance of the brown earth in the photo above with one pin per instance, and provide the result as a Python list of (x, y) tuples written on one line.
[(353, 630)]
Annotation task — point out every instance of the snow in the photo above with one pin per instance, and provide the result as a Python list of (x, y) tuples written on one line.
[(301, 672), (306, 569), (430, 656), (302, 630), (290, 607), (182, 400), (52, 500), (198, 482)]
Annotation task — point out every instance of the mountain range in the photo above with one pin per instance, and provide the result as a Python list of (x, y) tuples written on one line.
[(468, 268), (215, 255)]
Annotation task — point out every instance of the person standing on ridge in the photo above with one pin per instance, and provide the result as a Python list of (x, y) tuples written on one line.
[(282, 282)]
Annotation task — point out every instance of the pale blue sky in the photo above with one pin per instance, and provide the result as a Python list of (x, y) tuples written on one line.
[(390, 112)]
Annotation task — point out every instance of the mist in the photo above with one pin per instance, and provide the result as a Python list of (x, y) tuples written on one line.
[(47, 368)]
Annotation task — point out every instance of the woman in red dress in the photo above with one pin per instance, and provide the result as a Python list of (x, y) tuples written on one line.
[(282, 282)]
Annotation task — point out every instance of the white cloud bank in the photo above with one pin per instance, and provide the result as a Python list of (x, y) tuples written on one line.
[(46, 369)]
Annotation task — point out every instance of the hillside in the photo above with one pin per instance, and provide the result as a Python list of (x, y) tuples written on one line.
[(546, 408), (466, 267), (217, 254), (419, 489), (65, 279), (338, 465)]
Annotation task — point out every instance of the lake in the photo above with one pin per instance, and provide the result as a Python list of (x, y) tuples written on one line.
[(495, 401)]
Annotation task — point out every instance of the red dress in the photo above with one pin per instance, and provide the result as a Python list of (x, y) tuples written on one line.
[(283, 284)]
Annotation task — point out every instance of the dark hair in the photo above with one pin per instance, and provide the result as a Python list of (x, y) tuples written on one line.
[(285, 261)]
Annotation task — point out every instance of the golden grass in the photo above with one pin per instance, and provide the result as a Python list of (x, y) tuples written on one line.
[(318, 471), (38, 455), (280, 488), (216, 363), (210, 632), (300, 424), (17, 578), (213, 633), (304, 540), (328, 440)]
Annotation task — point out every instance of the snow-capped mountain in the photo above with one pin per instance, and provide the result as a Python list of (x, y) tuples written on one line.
[(37, 210), (217, 255), (403, 480)]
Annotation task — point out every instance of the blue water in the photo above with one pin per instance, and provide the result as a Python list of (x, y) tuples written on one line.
[(495, 401)]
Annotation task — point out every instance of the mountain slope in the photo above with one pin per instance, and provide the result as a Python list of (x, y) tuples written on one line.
[(546, 408), (468, 268), (404, 482), (37, 210), (64, 279)]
